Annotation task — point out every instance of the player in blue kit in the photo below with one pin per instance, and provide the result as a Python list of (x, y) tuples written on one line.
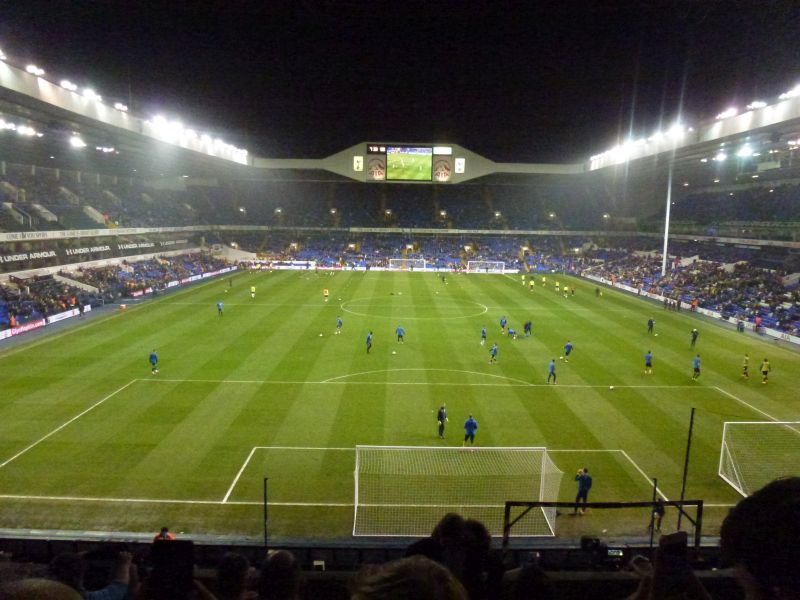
[(648, 363), (219, 308), (400, 333), (551, 372), (503, 322), (696, 364), (483, 335), (567, 350), (528, 328), (493, 354), (470, 427), (338, 325), (512, 333), (153, 362), (369, 342)]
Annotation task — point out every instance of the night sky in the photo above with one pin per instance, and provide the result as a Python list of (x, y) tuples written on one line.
[(547, 81)]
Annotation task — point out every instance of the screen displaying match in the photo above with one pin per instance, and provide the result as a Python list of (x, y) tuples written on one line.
[(407, 163)]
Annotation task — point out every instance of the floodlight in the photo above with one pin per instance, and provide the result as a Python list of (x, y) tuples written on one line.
[(725, 114), (442, 213), (2, 56), (716, 181), (333, 211), (703, 160), (795, 91), (720, 157), (120, 107), (771, 190), (68, 85), (756, 104), (34, 70), (497, 214), (552, 215), (675, 131), (745, 151), (76, 142), (755, 176), (685, 184), (90, 94), (26, 130), (278, 210), (388, 212)]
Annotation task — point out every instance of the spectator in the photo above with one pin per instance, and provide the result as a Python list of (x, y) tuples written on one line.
[(232, 576), (415, 577), (37, 589), (445, 544), (530, 583), (760, 537), (69, 569), (280, 577)]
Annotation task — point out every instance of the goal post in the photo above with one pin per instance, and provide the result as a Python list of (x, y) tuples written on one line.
[(486, 266), (755, 453), (408, 264), (406, 490)]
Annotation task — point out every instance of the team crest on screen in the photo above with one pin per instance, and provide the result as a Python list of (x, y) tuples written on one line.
[(441, 171), (376, 169)]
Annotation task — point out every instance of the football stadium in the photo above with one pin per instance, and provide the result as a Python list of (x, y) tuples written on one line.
[(328, 357)]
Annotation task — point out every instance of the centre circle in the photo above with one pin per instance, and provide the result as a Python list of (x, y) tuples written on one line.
[(399, 307)]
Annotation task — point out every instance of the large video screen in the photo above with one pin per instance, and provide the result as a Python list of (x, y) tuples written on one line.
[(407, 163)]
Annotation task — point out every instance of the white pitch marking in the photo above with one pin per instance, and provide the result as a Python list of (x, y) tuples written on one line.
[(333, 379), (163, 501), (253, 451), (747, 404), (319, 448), (60, 427), (239, 474), (638, 468), (412, 318)]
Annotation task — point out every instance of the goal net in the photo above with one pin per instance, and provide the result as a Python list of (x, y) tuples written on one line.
[(485, 266), (407, 264), (757, 452), (405, 491)]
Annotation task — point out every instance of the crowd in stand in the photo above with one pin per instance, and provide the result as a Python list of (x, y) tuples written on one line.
[(44, 296), (759, 539), (737, 290), (128, 277)]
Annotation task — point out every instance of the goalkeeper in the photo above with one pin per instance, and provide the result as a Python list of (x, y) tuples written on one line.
[(441, 419)]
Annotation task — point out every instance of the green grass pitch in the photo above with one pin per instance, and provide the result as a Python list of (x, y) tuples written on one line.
[(413, 167), (90, 440)]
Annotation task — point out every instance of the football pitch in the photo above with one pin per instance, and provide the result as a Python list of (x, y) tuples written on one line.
[(407, 166), (90, 440)]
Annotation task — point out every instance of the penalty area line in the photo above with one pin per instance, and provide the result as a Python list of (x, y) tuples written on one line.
[(63, 425), (747, 404), (638, 468)]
